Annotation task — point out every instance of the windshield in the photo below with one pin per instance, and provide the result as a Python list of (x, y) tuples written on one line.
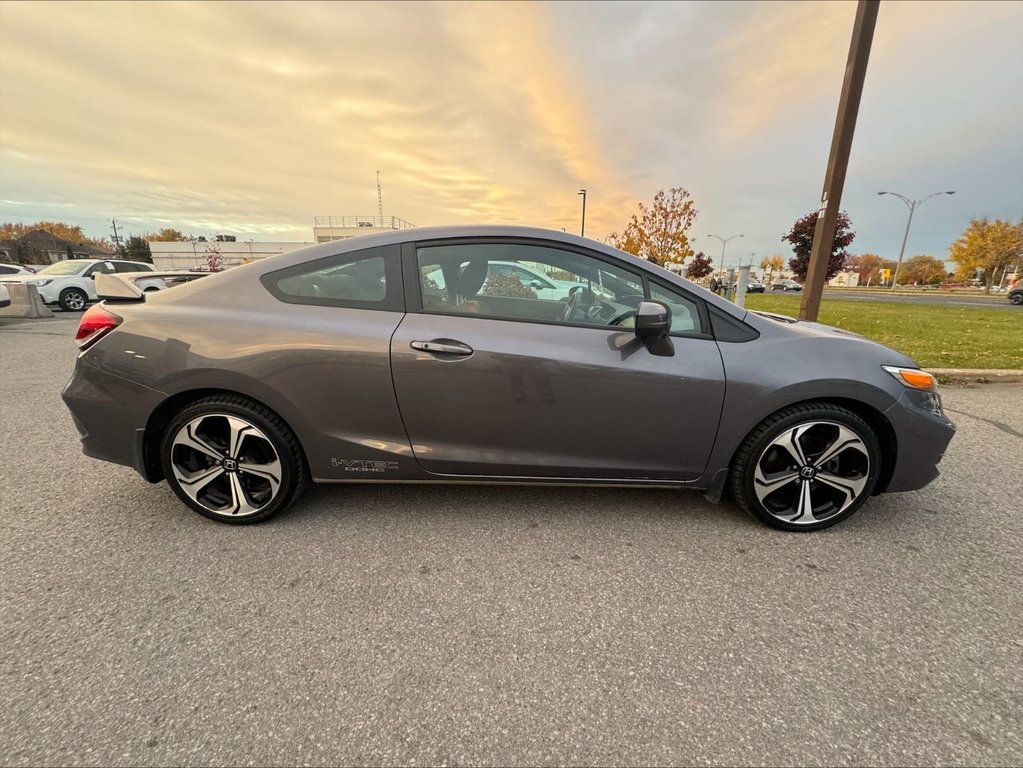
[(65, 268)]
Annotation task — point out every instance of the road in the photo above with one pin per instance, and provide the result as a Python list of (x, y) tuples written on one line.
[(950, 299), (431, 625)]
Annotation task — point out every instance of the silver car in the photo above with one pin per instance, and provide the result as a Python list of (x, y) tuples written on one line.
[(350, 362)]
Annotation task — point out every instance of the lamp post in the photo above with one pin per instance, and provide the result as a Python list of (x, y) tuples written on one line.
[(912, 205), (582, 230), (724, 242)]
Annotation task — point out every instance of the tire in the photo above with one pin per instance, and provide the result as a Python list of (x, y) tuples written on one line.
[(767, 478), (72, 300), (1016, 298), (266, 472)]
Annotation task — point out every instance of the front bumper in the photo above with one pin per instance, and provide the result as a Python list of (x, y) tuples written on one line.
[(110, 413), (922, 433)]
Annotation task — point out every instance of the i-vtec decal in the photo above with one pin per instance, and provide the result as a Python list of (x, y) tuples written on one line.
[(361, 465)]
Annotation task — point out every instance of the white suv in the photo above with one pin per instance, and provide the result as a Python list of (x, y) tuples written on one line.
[(71, 284)]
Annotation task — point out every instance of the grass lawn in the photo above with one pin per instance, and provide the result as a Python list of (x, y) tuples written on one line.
[(935, 335)]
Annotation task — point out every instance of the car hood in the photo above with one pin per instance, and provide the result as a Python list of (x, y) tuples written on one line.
[(790, 326), (22, 278)]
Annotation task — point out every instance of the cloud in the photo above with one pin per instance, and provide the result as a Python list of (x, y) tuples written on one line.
[(255, 117)]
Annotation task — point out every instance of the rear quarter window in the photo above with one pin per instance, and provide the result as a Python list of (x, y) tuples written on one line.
[(367, 279)]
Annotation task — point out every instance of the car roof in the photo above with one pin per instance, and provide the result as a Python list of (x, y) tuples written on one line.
[(421, 234)]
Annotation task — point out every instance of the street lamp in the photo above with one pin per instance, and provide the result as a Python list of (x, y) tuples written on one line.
[(724, 242), (582, 230), (911, 204)]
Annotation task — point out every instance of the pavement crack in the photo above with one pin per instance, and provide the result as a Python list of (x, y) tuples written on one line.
[(997, 424)]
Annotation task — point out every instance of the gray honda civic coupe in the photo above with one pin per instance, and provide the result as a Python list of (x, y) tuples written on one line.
[(436, 355)]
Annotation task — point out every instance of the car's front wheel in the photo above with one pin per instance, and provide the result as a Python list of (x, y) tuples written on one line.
[(232, 460), (1016, 298), (72, 299), (806, 467)]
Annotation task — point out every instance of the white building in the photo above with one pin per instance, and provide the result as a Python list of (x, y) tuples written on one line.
[(193, 254), (329, 228), (848, 279)]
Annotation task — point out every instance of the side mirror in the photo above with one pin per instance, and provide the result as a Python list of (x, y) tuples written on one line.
[(653, 320)]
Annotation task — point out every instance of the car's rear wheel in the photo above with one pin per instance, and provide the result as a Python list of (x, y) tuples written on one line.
[(72, 299), (232, 460), (806, 467), (1016, 298)]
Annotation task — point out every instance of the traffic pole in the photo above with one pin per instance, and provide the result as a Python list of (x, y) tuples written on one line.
[(838, 161)]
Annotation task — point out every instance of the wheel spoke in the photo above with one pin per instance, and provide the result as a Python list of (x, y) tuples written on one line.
[(240, 504), (844, 440), (852, 487), (239, 431), (271, 472), (765, 486), (804, 509), (193, 483), (188, 438), (790, 442)]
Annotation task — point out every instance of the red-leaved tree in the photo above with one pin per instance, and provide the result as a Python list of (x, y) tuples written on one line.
[(698, 267), (801, 238)]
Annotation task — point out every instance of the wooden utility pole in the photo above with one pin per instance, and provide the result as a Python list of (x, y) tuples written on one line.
[(838, 161)]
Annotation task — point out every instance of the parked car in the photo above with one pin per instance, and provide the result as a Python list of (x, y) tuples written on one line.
[(1016, 294), (5, 296), (15, 269), (753, 286), (543, 286), (239, 388), (71, 284), (786, 285)]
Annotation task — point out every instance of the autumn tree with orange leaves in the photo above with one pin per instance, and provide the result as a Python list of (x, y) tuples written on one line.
[(659, 232)]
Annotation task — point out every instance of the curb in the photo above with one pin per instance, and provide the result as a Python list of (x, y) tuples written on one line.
[(978, 375)]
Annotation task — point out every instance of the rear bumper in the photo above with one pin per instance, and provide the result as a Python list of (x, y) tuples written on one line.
[(110, 413), (923, 432)]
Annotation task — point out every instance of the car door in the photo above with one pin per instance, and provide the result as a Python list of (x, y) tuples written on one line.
[(494, 382), (89, 283)]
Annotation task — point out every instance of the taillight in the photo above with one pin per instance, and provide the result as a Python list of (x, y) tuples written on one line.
[(94, 325)]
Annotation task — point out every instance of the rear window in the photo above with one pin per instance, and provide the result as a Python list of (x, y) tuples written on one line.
[(367, 279)]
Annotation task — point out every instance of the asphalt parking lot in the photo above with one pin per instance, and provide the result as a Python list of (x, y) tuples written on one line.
[(432, 625)]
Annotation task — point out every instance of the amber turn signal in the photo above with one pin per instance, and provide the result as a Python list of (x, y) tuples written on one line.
[(912, 377)]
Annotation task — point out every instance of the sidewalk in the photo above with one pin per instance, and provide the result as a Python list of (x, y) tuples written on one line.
[(978, 375)]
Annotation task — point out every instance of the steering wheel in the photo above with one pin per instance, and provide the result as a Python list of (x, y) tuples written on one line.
[(573, 301)]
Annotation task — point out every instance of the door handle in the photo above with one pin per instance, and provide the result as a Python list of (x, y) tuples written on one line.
[(442, 347)]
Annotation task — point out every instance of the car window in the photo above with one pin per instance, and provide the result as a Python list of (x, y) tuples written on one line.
[(100, 268), (497, 280), (69, 267), (130, 266), (367, 279), (685, 315), (7, 270)]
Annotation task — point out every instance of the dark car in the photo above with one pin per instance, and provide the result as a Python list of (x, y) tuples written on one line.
[(752, 286), (786, 285), (350, 362), (1016, 294)]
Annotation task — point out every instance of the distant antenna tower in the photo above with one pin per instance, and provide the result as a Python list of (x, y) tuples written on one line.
[(380, 200)]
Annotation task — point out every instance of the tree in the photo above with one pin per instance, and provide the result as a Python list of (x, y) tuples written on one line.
[(868, 266), (70, 233), (166, 235), (658, 233), (214, 259), (137, 249), (801, 238), (922, 270), (987, 245), (698, 267), (771, 264)]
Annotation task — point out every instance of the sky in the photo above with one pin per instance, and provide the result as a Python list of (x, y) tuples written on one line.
[(252, 118)]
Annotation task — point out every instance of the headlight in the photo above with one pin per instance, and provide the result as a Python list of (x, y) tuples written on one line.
[(39, 283), (913, 378)]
